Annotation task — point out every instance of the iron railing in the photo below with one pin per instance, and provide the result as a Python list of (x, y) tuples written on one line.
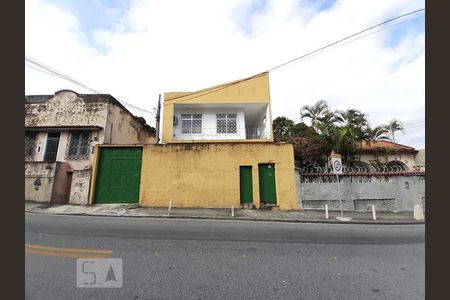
[(255, 133), (357, 170), (212, 134)]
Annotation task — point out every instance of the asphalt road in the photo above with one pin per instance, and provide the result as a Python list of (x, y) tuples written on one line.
[(211, 259)]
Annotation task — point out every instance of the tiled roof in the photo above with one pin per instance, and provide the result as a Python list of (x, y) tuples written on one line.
[(372, 146)]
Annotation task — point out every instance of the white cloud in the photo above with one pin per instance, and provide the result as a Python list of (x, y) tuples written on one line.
[(161, 46)]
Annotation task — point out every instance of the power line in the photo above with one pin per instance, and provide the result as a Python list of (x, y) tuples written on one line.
[(57, 73), (358, 38), (37, 69), (307, 55), (345, 38), (209, 91), (52, 71)]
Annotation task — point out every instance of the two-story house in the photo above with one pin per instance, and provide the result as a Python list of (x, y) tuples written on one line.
[(217, 151), (61, 131)]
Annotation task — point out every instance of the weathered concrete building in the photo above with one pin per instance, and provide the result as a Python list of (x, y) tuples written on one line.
[(61, 131)]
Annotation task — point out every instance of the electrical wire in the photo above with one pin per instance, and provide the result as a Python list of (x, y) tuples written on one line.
[(345, 38), (358, 38), (209, 91), (302, 57), (51, 71)]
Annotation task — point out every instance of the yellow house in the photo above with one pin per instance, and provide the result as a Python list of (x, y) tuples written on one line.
[(217, 151)]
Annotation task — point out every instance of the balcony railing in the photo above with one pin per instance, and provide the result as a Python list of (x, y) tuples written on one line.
[(212, 134), (255, 133)]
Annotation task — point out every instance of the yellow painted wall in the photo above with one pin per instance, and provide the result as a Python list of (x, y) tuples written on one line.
[(250, 90), (207, 175)]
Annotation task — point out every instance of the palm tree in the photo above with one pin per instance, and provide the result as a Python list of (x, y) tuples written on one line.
[(393, 126), (314, 113), (353, 118), (352, 132), (376, 134), (327, 128), (372, 135)]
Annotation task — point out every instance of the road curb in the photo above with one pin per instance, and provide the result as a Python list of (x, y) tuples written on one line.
[(237, 218)]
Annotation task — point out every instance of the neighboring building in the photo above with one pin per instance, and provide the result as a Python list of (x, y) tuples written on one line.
[(61, 131), (217, 152), (393, 154), (420, 159)]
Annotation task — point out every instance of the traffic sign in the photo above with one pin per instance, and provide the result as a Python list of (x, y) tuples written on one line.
[(336, 163)]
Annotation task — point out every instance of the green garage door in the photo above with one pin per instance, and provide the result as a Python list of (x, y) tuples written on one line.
[(118, 175)]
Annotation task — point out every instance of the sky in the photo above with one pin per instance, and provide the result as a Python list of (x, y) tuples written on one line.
[(136, 50)]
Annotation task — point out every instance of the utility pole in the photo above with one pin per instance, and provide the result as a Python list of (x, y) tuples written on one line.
[(158, 114)]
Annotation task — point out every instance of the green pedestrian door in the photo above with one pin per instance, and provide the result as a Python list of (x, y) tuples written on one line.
[(267, 191), (118, 175), (246, 184)]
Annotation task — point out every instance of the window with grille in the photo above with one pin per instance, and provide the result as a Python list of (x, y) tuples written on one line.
[(226, 123), (191, 123), (78, 146), (30, 145)]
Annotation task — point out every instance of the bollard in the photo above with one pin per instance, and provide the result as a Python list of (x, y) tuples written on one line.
[(418, 212), (170, 207), (326, 211), (232, 210), (374, 214)]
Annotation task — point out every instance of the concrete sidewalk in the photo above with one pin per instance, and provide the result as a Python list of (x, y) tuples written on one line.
[(301, 216)]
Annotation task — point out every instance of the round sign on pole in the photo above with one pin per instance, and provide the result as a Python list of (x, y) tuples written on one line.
[(336, 163)]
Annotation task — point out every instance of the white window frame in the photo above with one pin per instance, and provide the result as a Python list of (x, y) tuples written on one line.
[(227, 117), (191, 117)]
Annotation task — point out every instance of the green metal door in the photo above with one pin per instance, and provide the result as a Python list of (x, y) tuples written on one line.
[(246, 184), (267, 191), (118, 175)]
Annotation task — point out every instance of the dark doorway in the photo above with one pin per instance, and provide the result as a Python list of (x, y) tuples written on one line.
[(51, 149), (62, 183)]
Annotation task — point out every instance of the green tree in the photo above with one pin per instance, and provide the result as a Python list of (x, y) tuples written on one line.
[(302, 130), (282, 129), (372, 135), (343, 131), (328, 129), (351, 132)]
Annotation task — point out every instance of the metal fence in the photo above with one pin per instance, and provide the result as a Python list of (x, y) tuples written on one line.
[(217, 133), (255, 133), (355, 170)]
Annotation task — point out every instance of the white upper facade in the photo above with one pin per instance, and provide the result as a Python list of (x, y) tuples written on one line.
[(197, 122)]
